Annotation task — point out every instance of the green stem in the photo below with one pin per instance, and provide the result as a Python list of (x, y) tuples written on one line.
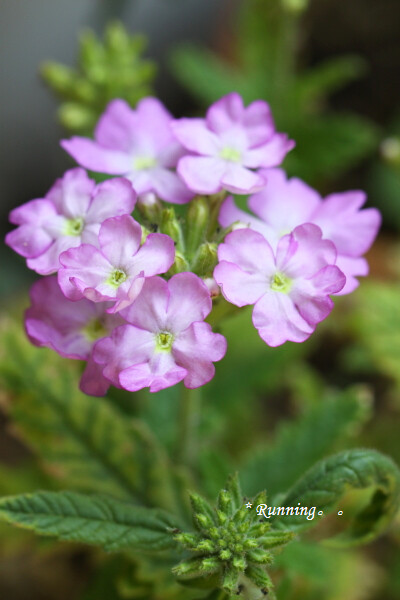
[(188, 424)]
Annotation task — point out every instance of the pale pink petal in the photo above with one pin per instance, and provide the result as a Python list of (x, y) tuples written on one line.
[(149, 311), (277, 320), (93, 381), (120, 239), (284, 203), (196, 349), (169, 187), (202, 174), (195, 135), (71, 194), (156, 255), (92, 156), (238, 179), (351, 230), (189, 301), (226, 112), (258, 122), (311, 296), (28, 240), (155, 121), (126, 346), (304, 252), (34, 212), (249, 250), (116, 126), (112, 198), (239, 287), (352, 268), (159, 373), (83, 267), (49, 261), (127, 293), (270, 154)]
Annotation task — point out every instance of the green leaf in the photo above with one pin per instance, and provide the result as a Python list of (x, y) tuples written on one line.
[(95, 519), (329, 145), (84, 440), (300, 443), (330, 479), (377, 325)]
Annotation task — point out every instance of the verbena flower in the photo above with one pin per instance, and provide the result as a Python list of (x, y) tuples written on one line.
[(70, 214), (69, 328), (290, 288), (137, 144), (286, 203), (166, 340), (230, 142), (118, 268)]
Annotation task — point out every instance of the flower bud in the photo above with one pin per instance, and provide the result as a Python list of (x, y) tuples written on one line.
[(197, 221), (205, 260), (171, 226), (149, 207)]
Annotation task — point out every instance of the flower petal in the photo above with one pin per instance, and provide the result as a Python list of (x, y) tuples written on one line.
[(120, 239), (196, 136), (169, 187), (239, 287), (156, 255), (112, 198), (277, 320), (71, 194), (93, 381), (92, 155), (352, 268), (149, 311), (249, 250), (189, 301), (196, 349), (202, 174), (116, 127), (238, 179), (270, 154)]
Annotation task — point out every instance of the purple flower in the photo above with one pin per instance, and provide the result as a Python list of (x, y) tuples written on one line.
[(229, 142), (290, 288), (70, 214), (117, 270), (286, 203), (166, 341), (69, 328), (138, 144)]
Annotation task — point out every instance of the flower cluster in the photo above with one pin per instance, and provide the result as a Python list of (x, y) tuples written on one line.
[(129, 284)]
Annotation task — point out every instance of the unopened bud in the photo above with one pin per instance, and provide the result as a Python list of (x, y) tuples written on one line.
[(197, 221), (150, 207), (171, 226), (205, 260), (180, 264)]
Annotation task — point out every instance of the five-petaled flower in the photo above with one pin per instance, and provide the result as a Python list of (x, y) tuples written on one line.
[(290, 288), (230, 142), (69, 215), (166, 340), (137, 144)]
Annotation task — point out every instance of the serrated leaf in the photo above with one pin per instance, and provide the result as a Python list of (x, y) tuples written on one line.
[(84, 440), (327, 482), (94, 519), (299, 444)]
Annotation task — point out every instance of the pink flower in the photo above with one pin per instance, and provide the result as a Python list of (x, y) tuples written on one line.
[(166, 341), (138, 144), (69, 328), (117, 270), (228, 143), (290, 288), (286, 203), (70, 214)]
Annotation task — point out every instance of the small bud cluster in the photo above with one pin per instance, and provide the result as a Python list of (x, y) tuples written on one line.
[(231, 546)]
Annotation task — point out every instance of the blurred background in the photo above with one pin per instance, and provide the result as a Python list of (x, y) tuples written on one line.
[(331, 72)]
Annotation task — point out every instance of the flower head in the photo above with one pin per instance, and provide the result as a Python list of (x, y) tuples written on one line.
[(230, 142), (290, 288), (117, 269), (287, 203), (166, 340), (69, 215), (137, 144)]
